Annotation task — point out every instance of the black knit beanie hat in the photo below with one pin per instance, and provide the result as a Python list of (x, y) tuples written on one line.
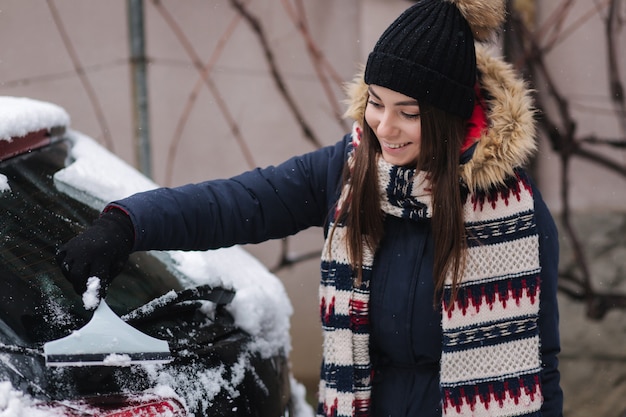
[(428, 52)]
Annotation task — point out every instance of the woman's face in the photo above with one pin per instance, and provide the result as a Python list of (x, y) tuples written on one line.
[(395, 119)]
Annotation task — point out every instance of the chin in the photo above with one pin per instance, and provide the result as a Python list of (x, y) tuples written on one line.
[(402, 162)]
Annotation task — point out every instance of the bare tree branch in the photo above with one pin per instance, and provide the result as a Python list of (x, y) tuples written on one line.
[(204, 75), (560, 128), (287, 259), (80, 71), (320, 63), (257, 28), (616, 86), (610, 142)]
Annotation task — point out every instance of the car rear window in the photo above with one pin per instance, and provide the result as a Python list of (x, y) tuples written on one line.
[(37, 302)]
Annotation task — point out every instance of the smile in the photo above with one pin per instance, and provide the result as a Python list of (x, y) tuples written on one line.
[(396, 146)]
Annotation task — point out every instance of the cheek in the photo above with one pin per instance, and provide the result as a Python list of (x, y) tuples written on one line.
[(417, 132), (370, 117)]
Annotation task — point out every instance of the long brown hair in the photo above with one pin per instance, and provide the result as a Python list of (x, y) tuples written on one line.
[(442, 137)]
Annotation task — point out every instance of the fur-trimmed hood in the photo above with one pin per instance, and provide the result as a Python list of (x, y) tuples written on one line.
[(509, 140)]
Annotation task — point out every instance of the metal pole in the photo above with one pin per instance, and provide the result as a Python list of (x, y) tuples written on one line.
[(141, 123)]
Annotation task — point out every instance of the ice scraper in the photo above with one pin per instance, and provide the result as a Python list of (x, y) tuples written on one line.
[(106, 340)]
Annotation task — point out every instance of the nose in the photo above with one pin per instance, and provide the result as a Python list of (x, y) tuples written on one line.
[(387, 125)]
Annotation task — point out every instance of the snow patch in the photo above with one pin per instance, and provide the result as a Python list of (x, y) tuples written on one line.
[(91, 297), (205, 385), (150, 307), (301, 407), (116, 359), (14, 403), (20, 116), (4, 183), (261, 306), (97, 176)]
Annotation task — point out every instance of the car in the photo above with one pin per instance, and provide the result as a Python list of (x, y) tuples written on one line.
[(224, 316)]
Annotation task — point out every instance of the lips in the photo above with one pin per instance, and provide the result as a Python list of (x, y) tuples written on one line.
[(395, 145)]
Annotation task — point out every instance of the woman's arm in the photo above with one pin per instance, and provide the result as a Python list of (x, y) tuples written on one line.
[(258, 205)]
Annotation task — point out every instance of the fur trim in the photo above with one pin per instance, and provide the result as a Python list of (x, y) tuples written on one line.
[(357, 95), (483, 16), (509, 141)]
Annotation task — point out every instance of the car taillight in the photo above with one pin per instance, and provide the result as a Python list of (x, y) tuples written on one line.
[(117, 406), (156, 408)]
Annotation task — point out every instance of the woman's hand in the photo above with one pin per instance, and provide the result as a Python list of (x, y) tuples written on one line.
[(100, 251)]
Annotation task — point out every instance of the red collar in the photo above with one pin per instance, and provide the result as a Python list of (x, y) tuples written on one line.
[(477, 123)]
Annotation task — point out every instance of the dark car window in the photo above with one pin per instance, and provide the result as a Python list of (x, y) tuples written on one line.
[(37, 303)]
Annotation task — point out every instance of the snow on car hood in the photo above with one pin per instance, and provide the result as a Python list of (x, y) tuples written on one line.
[(14, 403), (20, 116), (261, 305)]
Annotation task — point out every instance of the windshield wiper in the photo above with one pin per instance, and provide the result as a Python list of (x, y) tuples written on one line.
[(21, 350), (219, 296), (26, 351)]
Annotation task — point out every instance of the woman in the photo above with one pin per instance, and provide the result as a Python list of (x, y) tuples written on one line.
[(438, 290)]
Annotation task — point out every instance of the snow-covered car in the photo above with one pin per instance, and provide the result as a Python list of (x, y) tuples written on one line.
[(224, 316)]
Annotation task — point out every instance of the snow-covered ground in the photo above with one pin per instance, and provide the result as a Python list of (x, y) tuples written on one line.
[(261, 305)]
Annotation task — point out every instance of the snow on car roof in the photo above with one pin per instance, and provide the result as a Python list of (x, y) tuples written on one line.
[(20, 116)]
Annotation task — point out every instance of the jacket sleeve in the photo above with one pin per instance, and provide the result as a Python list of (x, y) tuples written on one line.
[(548, 310), (255, 206)]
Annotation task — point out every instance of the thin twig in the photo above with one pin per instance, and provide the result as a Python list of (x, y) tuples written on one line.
[(64, 75), (257, 28), (205, 77), (616, 86), (554, 23), (320, 63), (613, 143), (601, 161), (80, 71), (287, 259)]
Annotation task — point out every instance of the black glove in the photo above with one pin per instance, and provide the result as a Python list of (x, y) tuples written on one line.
[(101, 251)]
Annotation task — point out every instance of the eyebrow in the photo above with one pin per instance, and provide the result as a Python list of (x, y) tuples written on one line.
[(412, 102)]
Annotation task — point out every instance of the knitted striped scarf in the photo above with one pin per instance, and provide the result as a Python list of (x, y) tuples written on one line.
[(490, 363)]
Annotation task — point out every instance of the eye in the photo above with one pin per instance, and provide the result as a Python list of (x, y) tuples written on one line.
[(374, 104), (410, 116)]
